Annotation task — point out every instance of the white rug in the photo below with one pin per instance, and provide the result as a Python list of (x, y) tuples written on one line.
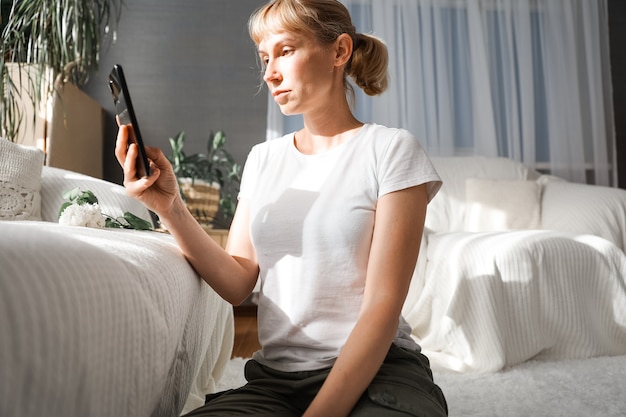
[(574, 388)]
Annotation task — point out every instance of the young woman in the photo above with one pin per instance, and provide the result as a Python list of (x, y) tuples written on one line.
[(329, 219)]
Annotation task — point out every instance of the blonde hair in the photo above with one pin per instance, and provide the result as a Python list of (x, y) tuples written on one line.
[(325, 20)]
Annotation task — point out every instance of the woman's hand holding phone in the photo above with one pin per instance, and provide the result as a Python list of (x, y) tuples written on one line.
[(160, 190), (148, 174)]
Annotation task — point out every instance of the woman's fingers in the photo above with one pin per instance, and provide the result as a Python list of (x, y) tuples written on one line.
[(153, 154), (130, 162), (121, 145), (145, 189), (126, 154)]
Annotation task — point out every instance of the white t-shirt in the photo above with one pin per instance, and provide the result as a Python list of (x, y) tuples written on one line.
[(312, 219)]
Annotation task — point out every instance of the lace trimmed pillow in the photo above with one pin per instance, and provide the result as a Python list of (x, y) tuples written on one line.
[(20, 181)]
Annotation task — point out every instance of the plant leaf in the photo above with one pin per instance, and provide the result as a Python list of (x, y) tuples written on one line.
[(87, 197), (63, 207), (137, 222), (72, 194), (219, 140), (113, 223)]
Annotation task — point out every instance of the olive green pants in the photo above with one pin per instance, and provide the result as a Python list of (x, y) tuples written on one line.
[(402, 387)]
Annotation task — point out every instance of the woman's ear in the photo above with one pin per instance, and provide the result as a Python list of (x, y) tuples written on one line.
[(343, 49)]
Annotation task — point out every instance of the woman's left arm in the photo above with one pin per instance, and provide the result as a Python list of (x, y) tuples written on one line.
[(398, 229)]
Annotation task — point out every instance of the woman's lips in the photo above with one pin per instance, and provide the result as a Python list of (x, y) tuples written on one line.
[(280, 95)]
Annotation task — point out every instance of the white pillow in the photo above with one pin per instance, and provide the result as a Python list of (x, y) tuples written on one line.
[(446, 212), (585, 209), (20, 181), (494, 205), (112, 197)]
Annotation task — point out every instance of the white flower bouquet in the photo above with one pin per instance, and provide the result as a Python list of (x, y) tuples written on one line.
[(82, 209)]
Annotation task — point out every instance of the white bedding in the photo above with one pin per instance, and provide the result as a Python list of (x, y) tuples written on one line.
[(486, 299), (103, 322), (491, 300)]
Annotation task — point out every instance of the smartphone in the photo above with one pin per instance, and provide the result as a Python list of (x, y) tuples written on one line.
[(126, 116)]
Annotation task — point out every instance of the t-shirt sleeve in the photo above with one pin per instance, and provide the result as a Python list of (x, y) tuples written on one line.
[(405, 164)]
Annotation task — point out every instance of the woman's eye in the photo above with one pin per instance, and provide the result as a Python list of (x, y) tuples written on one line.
[(287, 51)]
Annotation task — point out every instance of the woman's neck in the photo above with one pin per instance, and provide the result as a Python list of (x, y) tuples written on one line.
[(310, 143), (321, 134)]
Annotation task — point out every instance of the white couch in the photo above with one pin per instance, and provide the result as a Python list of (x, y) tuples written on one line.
[(515, 265), (101, 322)]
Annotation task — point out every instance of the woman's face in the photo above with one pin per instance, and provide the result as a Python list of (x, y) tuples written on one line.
[(299, 72)]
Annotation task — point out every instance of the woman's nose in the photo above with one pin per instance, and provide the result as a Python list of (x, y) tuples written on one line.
[(271, 74)]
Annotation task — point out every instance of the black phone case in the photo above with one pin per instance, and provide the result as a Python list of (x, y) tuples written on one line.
[(126, 114)]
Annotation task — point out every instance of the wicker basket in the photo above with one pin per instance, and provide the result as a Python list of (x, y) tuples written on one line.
[(202, 199)]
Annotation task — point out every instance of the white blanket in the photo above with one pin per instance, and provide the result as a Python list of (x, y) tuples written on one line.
[(492, 300), (102, 322)]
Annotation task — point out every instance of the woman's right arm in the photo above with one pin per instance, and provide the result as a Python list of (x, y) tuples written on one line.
[(233, 272)]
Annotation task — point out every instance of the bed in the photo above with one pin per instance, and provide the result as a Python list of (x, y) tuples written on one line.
[(518, 266), (100, 322)]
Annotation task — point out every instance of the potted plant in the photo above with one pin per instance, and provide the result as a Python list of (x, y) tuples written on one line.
[(209, 182), (45, 44)]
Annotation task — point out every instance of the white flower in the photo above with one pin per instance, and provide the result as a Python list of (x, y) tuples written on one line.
[(88, 215), (82, 209)]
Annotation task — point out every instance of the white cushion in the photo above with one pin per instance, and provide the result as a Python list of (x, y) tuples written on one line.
[(20, 181), (585, 209), (494, 205), (446, 212)]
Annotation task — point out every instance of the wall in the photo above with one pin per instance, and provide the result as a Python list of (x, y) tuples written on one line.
[(190, 66)]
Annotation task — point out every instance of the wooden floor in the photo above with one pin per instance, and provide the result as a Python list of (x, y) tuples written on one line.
[(246, 335)]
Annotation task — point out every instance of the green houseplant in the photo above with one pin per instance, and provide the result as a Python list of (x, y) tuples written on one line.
[(209, 182), (46, 43)]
